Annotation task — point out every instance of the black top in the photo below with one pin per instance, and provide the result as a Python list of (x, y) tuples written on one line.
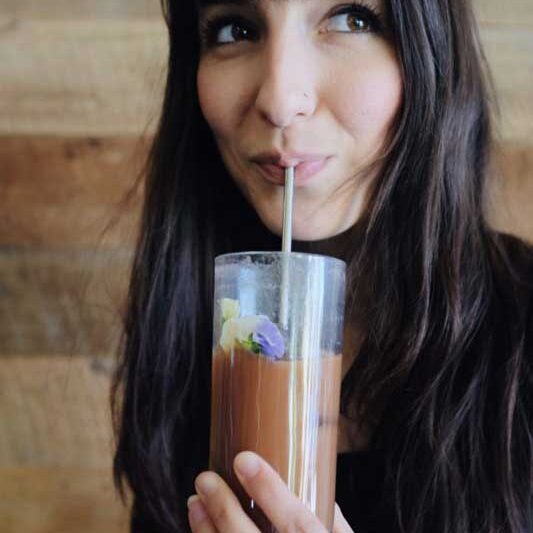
[(360, 493)]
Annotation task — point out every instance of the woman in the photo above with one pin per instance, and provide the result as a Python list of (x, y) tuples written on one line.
[(387, 102)]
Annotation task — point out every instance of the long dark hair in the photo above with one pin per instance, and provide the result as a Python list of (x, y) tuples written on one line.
[(442, 375)]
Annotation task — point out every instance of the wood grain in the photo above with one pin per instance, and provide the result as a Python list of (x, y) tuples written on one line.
[(104, 77), (106, 74), (509, 52), (59, 500), (70, 192), (69, 299), (512, 12), (56, 446), (62, 302), (76, 9), (55, 411), (80, 95)]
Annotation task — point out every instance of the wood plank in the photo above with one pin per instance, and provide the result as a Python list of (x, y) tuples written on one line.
[(106, 74), (488, 11), (55, 412), (59, 193), (69, 192), (512, 12), (104, 77), (516, 12), (56, 446), (70, 300), (510, 55), (62, 302), (59, 500), (76, 9)]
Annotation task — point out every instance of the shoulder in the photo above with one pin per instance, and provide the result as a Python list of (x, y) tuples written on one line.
[(509, 321), (514, 256), (512, 306), (512, 262), (511, 391), (519, 254)]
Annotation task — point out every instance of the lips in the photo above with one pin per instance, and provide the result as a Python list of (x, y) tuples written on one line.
[(303, 171)]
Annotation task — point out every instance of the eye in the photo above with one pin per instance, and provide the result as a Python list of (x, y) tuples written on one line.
[(229, 32), (230, 28), (356, 18), (225, 30)]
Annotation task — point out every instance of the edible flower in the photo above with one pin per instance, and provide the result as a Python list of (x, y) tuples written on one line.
[(230, 308), (269, 338), (256, 333)]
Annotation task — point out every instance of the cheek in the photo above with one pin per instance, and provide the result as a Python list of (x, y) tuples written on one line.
[(214, 102), (222, 97), (367, 101)]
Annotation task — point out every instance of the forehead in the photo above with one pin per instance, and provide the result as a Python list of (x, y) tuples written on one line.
[(260, 5), (202, 4)]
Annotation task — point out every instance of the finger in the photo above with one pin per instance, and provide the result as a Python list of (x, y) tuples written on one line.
[(340, 525), (268, 490), (198, 518), (222, 506)]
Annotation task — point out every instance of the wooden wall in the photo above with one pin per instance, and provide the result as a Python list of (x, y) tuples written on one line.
[(80, 90)]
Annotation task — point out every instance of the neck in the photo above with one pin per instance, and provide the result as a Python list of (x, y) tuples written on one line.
[(340, 246)]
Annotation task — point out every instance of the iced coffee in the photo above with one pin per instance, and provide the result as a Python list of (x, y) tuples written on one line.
[(276, 383)]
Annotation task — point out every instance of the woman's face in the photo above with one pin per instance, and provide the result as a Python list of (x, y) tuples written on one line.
[(300, 80)]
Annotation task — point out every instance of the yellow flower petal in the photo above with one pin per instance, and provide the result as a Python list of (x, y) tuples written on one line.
[(230, 308)]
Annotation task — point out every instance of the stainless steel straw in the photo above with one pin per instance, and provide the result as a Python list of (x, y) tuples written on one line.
[(286, 244)]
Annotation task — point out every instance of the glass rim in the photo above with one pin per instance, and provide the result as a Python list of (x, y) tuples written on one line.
[(280, 253)]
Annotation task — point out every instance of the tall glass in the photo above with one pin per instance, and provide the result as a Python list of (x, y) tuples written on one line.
[(278, 325)]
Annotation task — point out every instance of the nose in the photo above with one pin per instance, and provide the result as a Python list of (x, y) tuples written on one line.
[(286, 87)]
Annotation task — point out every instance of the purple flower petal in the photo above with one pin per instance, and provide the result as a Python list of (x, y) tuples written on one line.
[(268, 336)]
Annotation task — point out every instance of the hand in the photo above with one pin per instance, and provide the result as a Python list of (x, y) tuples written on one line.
[(216, 508)]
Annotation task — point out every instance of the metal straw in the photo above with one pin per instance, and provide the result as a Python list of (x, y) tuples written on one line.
[(286, 244)]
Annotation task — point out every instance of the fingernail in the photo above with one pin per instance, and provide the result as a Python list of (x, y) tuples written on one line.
[(196, 509), (247, 464), (206, 483)]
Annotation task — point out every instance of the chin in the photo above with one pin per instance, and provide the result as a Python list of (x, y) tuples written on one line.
[(302, 229)]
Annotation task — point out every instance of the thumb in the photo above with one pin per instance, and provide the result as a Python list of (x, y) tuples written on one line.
[(340, 525)]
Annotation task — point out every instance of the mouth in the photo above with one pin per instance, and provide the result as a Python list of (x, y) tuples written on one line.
[(303, 172)]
